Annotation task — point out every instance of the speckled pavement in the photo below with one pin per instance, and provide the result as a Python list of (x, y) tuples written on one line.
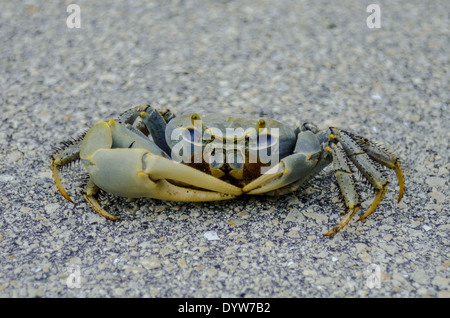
[(290, 60)]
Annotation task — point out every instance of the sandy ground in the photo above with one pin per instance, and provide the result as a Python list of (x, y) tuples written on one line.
[(289, 60)]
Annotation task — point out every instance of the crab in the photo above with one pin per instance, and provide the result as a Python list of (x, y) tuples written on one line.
[(147, 153)]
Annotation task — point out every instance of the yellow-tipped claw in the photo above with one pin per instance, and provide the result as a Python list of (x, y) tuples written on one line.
[(376, 201), (57, 179), (99, 209), (401, 180), (343, 222)]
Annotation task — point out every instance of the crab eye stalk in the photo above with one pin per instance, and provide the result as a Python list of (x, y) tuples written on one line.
[(194, 117), (261, 124)]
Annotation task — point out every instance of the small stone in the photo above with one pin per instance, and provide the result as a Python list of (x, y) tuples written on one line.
[(363, 252), (119, 292), (6, 178), (13, 157), (441, 282), (294, 232), (365, 257), (109, 77), (419, 276), (75, 260), (360, 247), (211, 272), (391, 249), (308, 272), (295, 216), (444, 228), (237, 222), (211, 236), (435, 181), (102, 266), (182, 263), (438, 196), (151, 262), (316, 216), (52, 207), (443, 294), (414, 118)]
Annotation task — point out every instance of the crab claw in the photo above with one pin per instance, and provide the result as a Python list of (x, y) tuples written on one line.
[(57, 179), (142, 171), (293, 168), (136, 173)]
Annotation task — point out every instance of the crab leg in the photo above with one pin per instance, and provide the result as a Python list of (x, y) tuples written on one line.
[(362, 161), (156, 124), (126, 136), (386, 159), (346, 183), (89, 193), (54, 166), (130, 115), (69, 152)]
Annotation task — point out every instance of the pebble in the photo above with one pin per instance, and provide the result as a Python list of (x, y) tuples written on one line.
[(294, 232), (50, 208), (435, 182), (151, 262), (211, 236), (441, 282), (6, 178), (295, 216), (316, 216), (419, 276), (438, 196)]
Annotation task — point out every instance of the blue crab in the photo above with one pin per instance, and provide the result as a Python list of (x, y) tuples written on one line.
[(134, 156)]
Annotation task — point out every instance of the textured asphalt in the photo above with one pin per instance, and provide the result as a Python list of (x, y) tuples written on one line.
[(291, 60)]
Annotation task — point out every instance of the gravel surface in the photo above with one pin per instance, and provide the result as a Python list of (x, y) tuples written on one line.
[(291, 60)]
